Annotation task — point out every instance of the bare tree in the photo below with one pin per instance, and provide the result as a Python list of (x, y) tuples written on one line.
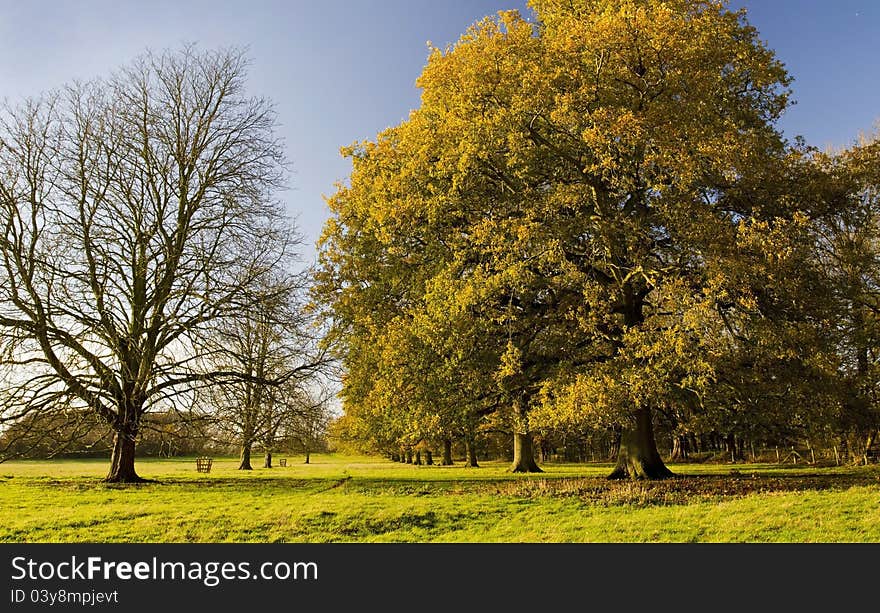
[(136, 213), (275, 345), (309, 418)]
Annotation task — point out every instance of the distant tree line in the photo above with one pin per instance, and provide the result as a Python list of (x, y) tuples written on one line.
[(163, 435)]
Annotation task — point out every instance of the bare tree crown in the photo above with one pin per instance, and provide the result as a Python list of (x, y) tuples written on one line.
[(136, 213)]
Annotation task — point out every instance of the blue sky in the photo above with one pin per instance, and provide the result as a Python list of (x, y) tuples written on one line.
[(342, 70)]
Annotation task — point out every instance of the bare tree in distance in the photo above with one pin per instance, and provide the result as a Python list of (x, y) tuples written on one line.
[(136, 214), (297, 413), (275, 344), (309, 412)]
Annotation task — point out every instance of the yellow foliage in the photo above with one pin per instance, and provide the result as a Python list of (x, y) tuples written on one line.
[(548, 223)]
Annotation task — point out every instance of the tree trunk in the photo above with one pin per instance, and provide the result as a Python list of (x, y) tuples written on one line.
[(429, 459), (308, 453), (523, 443), (676, 448), (447, 452), (267, 462), (395, 457), (869, 443), (124, 440), (854, 449), (524, 454), (638, 457), (694, 444), (730, 444), (470, 452), (418, 460), (245, 456), (409, 456), (122, 460)]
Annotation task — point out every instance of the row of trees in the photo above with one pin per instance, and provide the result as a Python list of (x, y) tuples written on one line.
[(146, 264), (593, 224), (166, 435), (591, 230)]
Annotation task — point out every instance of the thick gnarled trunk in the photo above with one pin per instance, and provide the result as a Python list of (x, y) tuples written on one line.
[(124, 441), (245, 457), (447, 453), (524, 454), (122, 460), (523, 443), (638, 457)]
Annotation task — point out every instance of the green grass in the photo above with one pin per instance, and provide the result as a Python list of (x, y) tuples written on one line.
[(336, 499)]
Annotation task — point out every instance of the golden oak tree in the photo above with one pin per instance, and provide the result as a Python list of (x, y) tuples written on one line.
[(559, 202)]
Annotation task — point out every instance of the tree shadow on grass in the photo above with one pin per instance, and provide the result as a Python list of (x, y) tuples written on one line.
[(684, 489)]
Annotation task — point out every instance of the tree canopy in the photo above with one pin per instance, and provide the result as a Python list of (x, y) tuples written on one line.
[(589, 219)]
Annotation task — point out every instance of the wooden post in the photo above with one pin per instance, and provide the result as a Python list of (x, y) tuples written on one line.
[(777, 455), (836, 456)]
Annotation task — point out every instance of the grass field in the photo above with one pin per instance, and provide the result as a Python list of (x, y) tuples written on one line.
[(337, 499)]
